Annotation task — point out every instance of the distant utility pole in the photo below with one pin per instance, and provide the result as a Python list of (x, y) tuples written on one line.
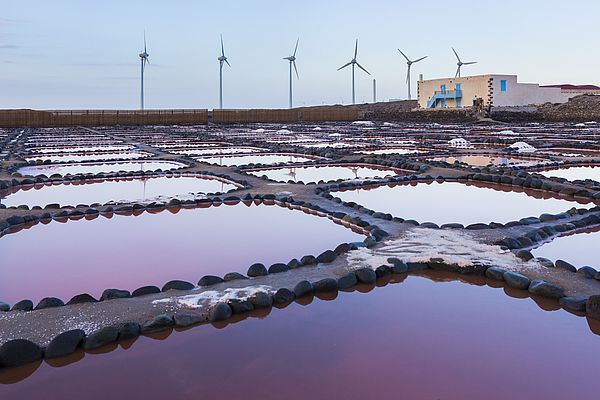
[(374, 91)]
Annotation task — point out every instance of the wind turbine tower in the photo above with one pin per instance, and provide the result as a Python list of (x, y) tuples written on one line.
[(292, 61), (222, 59), (143, 61), (460, 63), (354, 63), (409, 63)]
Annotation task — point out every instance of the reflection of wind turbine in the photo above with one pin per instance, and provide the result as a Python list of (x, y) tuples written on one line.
[(143, 60), (222, 59), (410, 62), (292, 60), (354, 171), (292, 173), (353, 63), (460, 63)]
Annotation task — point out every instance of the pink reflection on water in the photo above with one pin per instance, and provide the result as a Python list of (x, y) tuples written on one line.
[(578, 249), (125, 190), (96, 168), (63, 260), (324, 173), (575, 173), (414, 340), (453, 202), (484, 160), (254, 159)]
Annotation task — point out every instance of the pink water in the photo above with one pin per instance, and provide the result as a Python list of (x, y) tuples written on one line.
[(452, 202), (482, 161), (58, 158), (327, 173), (254, 159), (120, 190), (127, 252), (418, 339), (95, 168)]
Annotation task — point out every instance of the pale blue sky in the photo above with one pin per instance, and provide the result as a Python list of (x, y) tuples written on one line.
[(84, 54)]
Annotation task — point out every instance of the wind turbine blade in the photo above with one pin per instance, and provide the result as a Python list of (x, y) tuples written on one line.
[(360, 66), (356, 48), (404, 55), (470, 62), (296, 48), (419, 59), (296, 69), (222, 48), (228, 63), (456, 54), (144, 41), (344, 66)]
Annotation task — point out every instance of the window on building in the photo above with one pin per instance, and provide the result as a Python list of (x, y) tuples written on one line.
[(458, 87), (443, 88), (503, 85)]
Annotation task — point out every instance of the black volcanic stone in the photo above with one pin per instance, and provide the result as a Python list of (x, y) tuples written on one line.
[(145, 290), (257, 270), (302, 289), (209, 280), (178, 285), (23, 305), (19, 352), (64, 344), (49, 302)]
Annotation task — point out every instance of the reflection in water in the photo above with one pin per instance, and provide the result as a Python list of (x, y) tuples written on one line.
[(451, 202), (578, 249), (483, 161), (253, 159), (118, 190), (128, 252), (451, 349), (575, 173), (325, 173), (58, 158), (96, 168)]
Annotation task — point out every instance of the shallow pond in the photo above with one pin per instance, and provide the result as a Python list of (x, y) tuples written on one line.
[(578, 249), (417, 339), (390, 151), (453, 202), (483, 161), (127, 252), (574, 173), (81, 149), (219, 150), (119, 190), (326, 173), (89, 157), (96, 168), (254, 159)]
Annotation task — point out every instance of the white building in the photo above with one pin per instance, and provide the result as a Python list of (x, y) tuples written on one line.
[(493, 90)]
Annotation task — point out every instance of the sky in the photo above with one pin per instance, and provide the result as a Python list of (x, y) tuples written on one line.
[(73, 54)]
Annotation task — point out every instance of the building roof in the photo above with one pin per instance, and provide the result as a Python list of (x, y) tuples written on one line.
[(568, 86)]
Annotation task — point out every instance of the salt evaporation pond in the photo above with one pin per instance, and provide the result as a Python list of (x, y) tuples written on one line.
[(574, 173), (58, 158), (80, 149), (219, 150), (324, 173), (453, 202), (418, 339), (96, 168), (119, 190), (254, 159), (127, 252), (483, 161), (579, 249), (390, 151)]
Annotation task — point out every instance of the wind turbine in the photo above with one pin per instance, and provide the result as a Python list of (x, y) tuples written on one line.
[(292, 60), (353, 62), (143, 60), (460, 63), (222, 59), (410, 63)]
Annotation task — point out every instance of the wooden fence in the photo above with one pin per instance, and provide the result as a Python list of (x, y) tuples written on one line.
[(65, 118), (32, 118)]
